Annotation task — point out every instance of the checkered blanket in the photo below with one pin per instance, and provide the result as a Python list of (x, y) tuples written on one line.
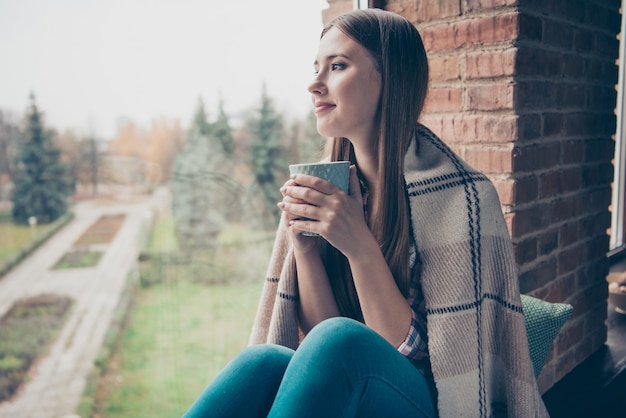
[(476, 334)]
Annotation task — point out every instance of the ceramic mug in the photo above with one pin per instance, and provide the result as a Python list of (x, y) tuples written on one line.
[(335, 172)]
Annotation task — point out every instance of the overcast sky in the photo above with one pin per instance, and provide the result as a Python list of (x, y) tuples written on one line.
[(91, 62)]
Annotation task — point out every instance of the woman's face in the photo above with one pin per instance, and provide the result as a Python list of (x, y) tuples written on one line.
[(346, 89)]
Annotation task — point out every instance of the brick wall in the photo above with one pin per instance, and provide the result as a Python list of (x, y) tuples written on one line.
[(524, 90)]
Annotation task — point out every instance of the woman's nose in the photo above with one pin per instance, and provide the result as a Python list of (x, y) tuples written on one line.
[(317, 87)]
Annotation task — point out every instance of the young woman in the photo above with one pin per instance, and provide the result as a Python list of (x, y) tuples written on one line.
[(408, 302)]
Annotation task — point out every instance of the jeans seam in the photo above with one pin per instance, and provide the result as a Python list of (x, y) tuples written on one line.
[(365, 379)]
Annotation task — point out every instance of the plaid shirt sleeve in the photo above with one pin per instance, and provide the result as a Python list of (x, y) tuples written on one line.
[(415, 346)]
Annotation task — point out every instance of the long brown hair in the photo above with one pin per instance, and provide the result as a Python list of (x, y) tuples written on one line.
[(399, 55)]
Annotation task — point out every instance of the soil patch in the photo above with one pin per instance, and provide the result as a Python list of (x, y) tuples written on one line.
[(102, 231), (26, 332)]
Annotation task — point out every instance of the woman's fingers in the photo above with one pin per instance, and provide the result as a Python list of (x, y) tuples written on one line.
[(300, 210), (314, 183)]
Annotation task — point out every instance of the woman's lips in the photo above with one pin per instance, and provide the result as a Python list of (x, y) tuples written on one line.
[(323, 106)]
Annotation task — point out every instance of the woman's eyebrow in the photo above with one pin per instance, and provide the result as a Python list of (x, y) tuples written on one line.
[(332, 57)]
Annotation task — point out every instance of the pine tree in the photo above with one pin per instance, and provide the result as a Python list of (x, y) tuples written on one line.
[(8, 140), (266, 156), (41, 182), (202, 188), (200, 120), (306, 145), (223, 131)]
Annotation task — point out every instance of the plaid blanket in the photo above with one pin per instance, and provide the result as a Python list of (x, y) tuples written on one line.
[(476, 334)]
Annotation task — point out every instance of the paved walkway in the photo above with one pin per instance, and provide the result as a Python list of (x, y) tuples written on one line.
[(58, 380)]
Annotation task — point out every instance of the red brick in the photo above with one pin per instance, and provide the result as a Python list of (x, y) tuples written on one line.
[(571, 179), (492, 63), (570, 259), (568, 234), (532, 61), (443, 100), (598, 246), (489, 4), (448, 130), (606, 173), (548, 241), (573, 152), (605, 45), (490, 159), (566, 289), (525, 251), (424, 11), (552, 124), (535, 95), (594, 69), (485, 128), (596, 200), (434, 122), (526, 189), (563, 209), (506, 190), (508, 219), (569, 337), (549, 289), (444, 68), (490, 97), (571, 95), (601, 98), (583, 40), (575, 11), (486, 29), (336, 8), (591, 176), (529, 220), (558, 34), (573, 66), (438, 38), (538, 276), (530, 28), (550, 184), (536, 157), (529, 126)]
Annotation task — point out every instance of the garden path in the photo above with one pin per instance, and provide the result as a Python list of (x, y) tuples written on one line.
[(58, 380)]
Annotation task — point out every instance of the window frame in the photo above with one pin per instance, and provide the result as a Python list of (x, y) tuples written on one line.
[(617, 244)]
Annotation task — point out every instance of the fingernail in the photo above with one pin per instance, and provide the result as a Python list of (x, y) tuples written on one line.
[(293, 176), (280, 205)]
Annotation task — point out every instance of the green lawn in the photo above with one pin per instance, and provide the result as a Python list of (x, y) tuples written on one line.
[(15, 237), (78, 259), (16, 240), (162, 237), (182, 330), (178, 337)]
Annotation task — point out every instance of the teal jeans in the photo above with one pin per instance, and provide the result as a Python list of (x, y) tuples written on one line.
[(341, 369)]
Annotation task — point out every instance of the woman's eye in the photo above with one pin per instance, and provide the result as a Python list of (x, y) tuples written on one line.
[(337, 66)]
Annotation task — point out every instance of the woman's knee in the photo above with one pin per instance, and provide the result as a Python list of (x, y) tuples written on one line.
[(263, 359), (340, 332)]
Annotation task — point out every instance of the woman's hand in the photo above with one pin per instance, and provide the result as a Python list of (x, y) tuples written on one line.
[(302, 243), (314, 205)]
